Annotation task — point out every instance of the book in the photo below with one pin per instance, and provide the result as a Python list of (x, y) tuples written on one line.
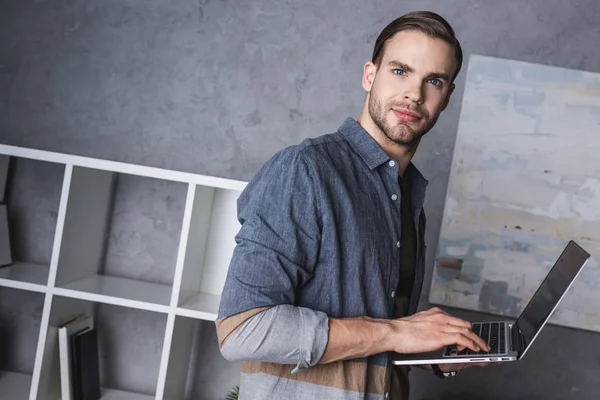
[(86, 373), (5, 251), (4, 165), (65, 333)]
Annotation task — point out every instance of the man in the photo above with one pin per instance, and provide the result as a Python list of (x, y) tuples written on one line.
[(326, 276)]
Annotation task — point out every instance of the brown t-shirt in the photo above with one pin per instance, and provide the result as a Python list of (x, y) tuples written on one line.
[(400, 387)]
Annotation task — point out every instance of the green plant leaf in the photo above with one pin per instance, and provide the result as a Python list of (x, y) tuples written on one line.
[(234, 393)]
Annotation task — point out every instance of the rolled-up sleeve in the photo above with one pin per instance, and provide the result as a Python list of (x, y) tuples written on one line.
[(276, 252), (281, 334)]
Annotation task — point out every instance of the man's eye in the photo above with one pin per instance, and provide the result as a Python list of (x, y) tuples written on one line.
[(436, 82), (399, 72)]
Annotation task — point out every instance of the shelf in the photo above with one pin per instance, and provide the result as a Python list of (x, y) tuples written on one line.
[(213, 225), (120, 239), (110, 394), (14, 386), (119, 291), (129, 347), (201, 305), (26, 276), (143, 250)]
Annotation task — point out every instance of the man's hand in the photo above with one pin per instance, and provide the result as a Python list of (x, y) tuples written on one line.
[(429, 330), (433, 329)]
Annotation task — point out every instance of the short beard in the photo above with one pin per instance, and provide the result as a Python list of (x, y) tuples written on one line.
[(377, 112)]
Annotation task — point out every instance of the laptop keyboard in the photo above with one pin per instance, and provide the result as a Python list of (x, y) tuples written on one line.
[(493, 333)]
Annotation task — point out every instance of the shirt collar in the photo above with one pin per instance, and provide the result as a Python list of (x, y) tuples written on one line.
[(370, 151)]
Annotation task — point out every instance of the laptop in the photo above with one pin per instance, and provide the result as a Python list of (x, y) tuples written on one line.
[(510, 340)]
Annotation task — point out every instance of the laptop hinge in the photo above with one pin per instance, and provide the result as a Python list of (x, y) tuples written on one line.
[(513, 338), (517, 341)]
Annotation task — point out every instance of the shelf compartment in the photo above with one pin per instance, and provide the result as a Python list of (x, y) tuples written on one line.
[(210, 242), (201, 305), (26, 276), (193, 346), (129, 343), (120, 236), (32, 196), (20, 317)]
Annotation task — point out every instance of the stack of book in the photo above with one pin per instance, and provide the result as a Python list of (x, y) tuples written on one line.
[(79, 363)]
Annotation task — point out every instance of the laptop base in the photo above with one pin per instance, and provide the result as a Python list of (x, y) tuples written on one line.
[(502, 348)]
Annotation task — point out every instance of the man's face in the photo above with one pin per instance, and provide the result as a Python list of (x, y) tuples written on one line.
[(411, 86)]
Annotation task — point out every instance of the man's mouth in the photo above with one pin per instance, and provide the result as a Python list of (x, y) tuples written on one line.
[(406, 115)]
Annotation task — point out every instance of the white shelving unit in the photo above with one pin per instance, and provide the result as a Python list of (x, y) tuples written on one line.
[(173, 297)]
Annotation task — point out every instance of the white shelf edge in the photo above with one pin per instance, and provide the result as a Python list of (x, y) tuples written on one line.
[(164, 359), (31, 287), (120, 167), (111, 394), (183, 243), (105, 299), (203, 315), (39, 352), (60, 224)]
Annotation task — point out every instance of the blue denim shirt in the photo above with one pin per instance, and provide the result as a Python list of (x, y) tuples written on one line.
[(321, 230)]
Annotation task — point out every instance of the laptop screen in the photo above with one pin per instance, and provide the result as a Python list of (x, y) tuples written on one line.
[(552, 289)]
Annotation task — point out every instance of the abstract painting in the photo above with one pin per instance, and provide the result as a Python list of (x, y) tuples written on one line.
[(524, 180)]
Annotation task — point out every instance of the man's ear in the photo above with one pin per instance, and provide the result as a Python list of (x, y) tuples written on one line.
[(452, 87), (369, 72)]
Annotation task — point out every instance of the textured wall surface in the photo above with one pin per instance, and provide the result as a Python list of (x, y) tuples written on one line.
[(130, 346), (20, 316), (33, 208), (143, 241), (216, 87)]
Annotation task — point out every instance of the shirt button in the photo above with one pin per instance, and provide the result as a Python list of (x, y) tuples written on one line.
[(392, 163), (398, 244), (394, 197), (393, 294)]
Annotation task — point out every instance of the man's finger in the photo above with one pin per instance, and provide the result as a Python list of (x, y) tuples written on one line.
[(461, 340), (469, 334)]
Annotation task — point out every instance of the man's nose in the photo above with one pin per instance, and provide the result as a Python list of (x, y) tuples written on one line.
[(414, 92)]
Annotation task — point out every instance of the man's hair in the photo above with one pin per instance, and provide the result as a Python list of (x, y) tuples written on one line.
[(427, 22)]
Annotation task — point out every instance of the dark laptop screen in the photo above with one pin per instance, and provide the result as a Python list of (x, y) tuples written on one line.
[(551, 290)]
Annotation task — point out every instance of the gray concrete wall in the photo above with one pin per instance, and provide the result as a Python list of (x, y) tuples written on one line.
[(216, 87)]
